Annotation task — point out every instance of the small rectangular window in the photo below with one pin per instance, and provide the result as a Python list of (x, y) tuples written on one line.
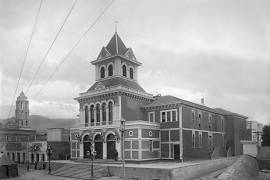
[(200, 119), (210, 141), (163, 116), (193, 139), (168, 116), (151, 116), (151, 145), (200, 139), (193, 117), (174, 115), (210, 122)]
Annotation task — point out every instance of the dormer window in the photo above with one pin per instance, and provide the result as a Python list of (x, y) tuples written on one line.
[(131, 73), (110, 70), (124, 70), (102, 72)]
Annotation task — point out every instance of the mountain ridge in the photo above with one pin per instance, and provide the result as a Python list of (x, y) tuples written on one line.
[(39, 122)]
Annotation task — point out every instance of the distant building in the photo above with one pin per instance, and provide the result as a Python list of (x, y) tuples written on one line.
[(58, 139), (23, 144), (256, 131), (157, 127)]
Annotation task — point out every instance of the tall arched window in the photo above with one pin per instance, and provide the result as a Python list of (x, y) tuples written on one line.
[(92, 113), (110, 106), (104, 112), (102, 72), (131, 73), (98, 113), (86, 115), (124, 70), (110, 70)]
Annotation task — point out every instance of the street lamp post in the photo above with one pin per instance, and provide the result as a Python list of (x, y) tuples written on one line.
[(122, 129), (49, 153), (92, 156), (27, 153)]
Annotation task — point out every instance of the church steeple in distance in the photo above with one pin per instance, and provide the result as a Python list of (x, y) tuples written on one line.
[(22, 111)]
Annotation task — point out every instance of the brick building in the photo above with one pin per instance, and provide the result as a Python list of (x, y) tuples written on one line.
[(157, 127)]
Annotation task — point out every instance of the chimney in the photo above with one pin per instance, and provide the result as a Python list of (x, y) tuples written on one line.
[(202, 101)]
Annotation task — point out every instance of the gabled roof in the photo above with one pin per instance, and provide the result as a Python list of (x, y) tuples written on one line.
[(116, 81), (116, 46), (228, 113), (168, 99)]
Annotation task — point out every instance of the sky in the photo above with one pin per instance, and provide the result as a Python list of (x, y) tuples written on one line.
[(190, 49)]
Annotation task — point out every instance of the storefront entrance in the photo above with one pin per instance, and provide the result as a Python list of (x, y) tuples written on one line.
[(111, 146), (86, 146), (99, 146)]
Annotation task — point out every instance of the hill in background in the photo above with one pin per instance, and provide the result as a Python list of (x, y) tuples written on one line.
[(38, 122)]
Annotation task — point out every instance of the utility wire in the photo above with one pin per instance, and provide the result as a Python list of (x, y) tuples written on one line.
[(75, 45), (50, 47), (26, 55)]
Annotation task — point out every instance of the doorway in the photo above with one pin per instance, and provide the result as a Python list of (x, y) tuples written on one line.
[(176, 151), (86, 146), (110, 146), (99, 146)]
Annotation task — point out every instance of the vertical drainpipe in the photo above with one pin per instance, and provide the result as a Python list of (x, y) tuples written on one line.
[(181, 132)]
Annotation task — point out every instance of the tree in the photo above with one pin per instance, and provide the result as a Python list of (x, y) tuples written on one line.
[(266, 136)]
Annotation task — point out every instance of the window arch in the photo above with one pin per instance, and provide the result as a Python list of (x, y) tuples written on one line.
[(98, 112), (86, 115), (110, 70), (103, 112), (110, 107), (124, 70), (131, 73), (92, 113), (102, 72)]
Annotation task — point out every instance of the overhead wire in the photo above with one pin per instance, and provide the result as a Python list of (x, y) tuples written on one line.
[(51, 45), (25, 56), (74, 46)]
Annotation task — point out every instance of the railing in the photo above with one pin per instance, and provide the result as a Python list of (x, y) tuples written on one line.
[(100, 124), (119, 87)]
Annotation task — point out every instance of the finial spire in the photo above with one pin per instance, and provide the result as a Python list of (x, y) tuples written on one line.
[(115, 22)]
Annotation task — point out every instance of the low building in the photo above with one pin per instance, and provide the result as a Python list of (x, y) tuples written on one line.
[(58, 139), (256, 130)]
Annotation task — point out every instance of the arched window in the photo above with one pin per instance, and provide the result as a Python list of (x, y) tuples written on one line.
[(110, 70), (124, 70), (104, 112), (110, 112), (86, 115), (92, 113), (98, 112), (131, 73), (102, 72)]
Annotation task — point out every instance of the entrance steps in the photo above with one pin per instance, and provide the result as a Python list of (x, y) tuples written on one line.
[(81, 171), (98, 161)]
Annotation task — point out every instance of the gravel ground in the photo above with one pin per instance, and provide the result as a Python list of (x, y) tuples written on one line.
[(43, 175), (264, 175)]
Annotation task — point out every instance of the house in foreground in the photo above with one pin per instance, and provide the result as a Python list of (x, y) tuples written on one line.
[(157, 127)]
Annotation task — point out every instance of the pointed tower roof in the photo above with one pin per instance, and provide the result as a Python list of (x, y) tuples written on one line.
[(22, 96), (116, 46)]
